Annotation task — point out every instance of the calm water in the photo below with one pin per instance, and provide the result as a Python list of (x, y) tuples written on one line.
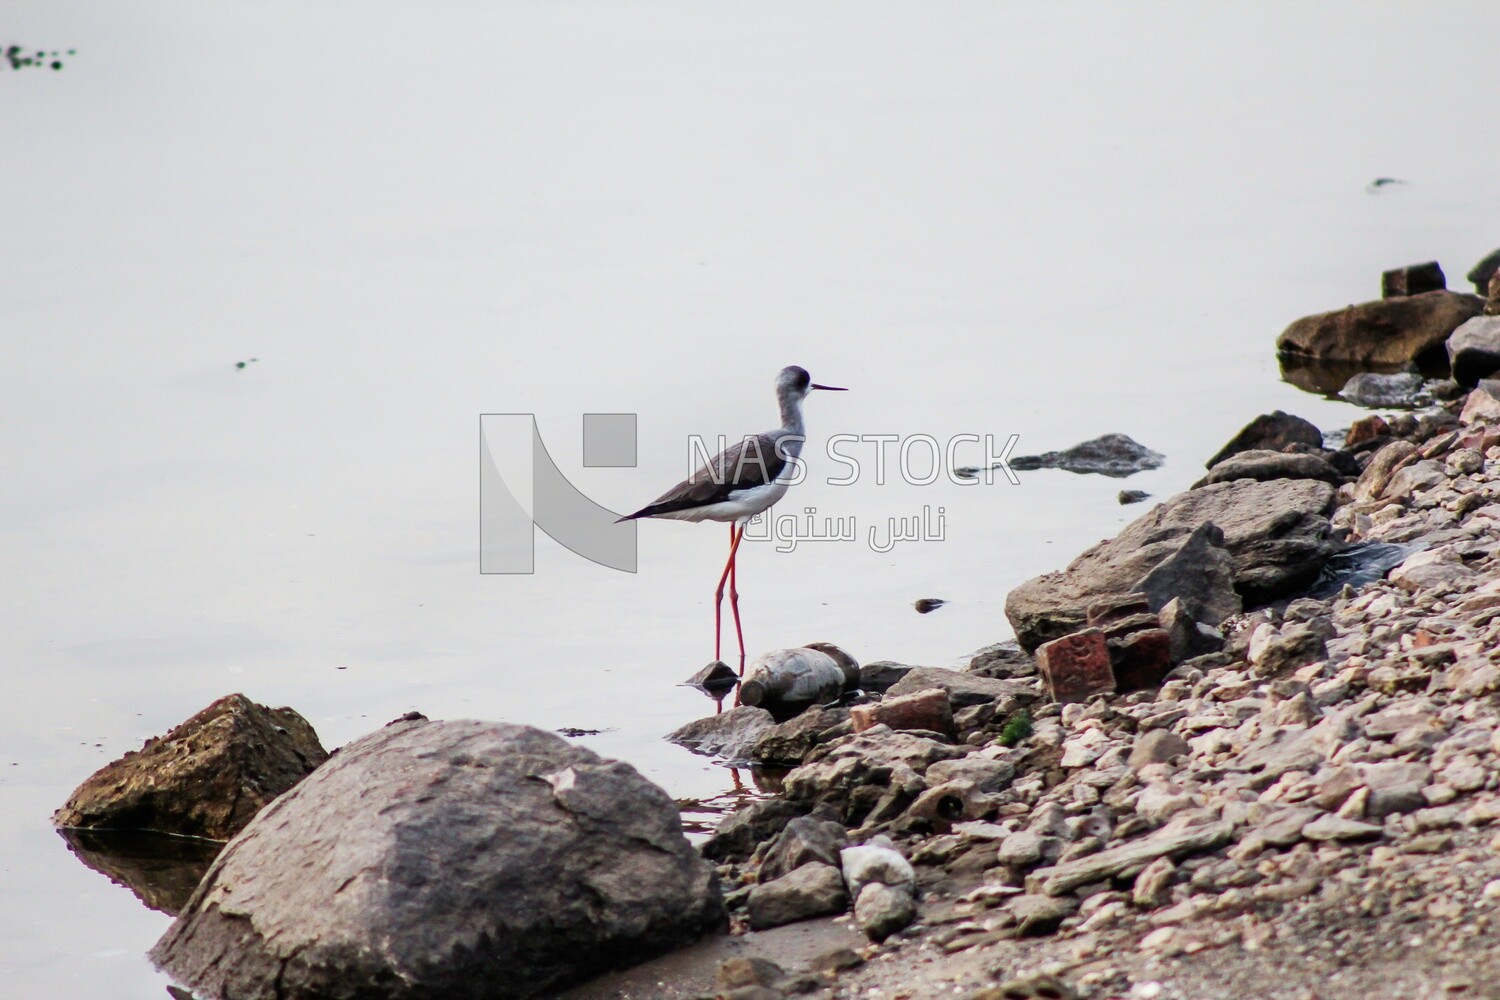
[(1051, 220)]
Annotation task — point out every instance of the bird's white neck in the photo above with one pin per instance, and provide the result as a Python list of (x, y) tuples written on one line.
[(791, 414)]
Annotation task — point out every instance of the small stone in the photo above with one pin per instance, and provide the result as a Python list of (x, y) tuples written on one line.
[(1037, 914), (1336, 828), (1023, 847), (1157, 746), (882, 910), (1413, 279), (1152, 883), (747, 971), (813, 890)]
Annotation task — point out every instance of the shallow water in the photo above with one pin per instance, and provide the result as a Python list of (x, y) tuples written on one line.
[(1054, 221)]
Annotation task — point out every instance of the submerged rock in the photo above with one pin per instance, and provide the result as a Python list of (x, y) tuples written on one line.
[(1115, 455), (459, 859), (1397, 390), (206, 778), (731, 735), (1413, 279), (1385, 332)]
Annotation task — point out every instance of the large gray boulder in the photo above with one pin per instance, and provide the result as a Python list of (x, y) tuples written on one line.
[(1275, 534), (445, 860), (1384, 332)]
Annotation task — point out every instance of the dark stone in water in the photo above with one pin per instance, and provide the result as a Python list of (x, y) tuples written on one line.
[(1131, 496), (1384, 332), (715, 680), (1398, 390), (1413, 279), (206, 778), (1113, 455), (927, 605)]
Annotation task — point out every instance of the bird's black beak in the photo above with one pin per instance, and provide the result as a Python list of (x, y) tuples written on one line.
[(830, 388)]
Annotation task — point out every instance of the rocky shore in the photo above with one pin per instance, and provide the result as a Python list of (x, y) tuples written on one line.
[(1258, 758), (1248, 748)]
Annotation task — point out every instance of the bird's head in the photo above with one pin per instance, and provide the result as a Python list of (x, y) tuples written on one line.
[(795, 382)]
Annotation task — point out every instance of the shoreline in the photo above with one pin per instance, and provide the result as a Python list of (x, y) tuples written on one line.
[(1347, 744)]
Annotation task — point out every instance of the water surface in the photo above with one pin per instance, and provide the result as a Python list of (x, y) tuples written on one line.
[(1053, 220)]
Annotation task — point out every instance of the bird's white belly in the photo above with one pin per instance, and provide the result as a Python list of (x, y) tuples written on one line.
[(741, 505)]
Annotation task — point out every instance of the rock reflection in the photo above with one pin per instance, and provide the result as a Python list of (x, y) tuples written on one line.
[(161, 870)]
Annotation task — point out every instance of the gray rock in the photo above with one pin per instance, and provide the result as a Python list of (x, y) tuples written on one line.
[(984, 774), (1338, 828), (743, 830), (1066, 877), (964, 689), (1114, 455), (1004, 660), (789, 742), (1474, 350), (1198, 574), (1189, 637), (1024, 847), (747, 970), (1276, 533), (1267, 465), (1156, 746), (813, 890), (1386, 332), (455, 859), (882, 910), (835, 769), (1296, 645), (803, 841), (1395, 787), (1284, 827), (1419, 477), (1038, 914), (1380, 391), (877, 860), (1131, 496), (731, 735), (877, 677), (1275, 431)]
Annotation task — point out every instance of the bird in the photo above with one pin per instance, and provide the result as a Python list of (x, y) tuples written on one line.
[(741, 481)]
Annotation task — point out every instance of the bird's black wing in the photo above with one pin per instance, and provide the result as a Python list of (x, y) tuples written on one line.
[(752, 462)]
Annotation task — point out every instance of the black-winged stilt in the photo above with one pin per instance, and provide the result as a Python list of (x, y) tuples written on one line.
[(740, 482)]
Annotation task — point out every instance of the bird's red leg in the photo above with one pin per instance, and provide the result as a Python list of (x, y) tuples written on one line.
[(719, 594), (734, 596)]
